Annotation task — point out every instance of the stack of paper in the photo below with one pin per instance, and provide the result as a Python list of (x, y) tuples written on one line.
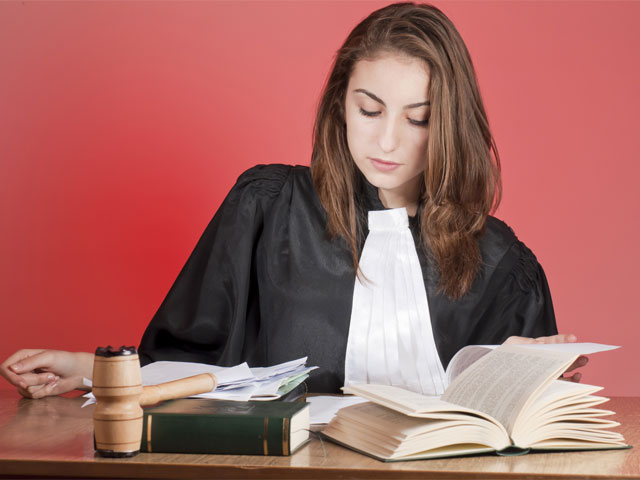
[(239, 383), (265, 383)]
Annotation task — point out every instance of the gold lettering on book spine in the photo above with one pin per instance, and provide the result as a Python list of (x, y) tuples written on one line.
[(265, 442), (149, 433), (285, 437)]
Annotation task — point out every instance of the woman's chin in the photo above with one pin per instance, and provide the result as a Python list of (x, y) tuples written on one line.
[(389, 181)]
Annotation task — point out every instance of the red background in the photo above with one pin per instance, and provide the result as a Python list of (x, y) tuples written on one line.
[(123, 125)]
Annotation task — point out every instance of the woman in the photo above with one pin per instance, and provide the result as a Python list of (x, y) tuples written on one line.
[(400, 125)]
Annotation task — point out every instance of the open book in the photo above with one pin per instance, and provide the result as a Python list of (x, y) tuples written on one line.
[(506, 400)]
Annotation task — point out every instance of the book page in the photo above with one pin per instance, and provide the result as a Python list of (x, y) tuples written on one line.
[(464, 358), (468, 355), (585, 348), (386, 433), (401, 400), (418, 405), (501, 383)]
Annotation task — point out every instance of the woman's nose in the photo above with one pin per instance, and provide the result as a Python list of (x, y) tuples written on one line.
[(388, 139)]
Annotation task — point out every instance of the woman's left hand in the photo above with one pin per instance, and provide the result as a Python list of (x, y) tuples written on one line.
[(581, 361)]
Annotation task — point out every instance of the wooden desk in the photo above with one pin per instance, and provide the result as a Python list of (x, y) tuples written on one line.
[(54, 437)]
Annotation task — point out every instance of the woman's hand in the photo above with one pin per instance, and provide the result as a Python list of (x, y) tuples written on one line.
[(561, 338), (581, 361), (40, 373)]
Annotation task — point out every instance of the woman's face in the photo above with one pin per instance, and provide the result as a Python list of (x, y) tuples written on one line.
[(387, 112)]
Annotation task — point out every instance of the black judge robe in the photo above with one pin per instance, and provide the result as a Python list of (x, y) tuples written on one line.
[(266, 285)]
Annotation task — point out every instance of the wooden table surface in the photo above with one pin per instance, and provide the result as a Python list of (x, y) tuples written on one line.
[(54, 437)]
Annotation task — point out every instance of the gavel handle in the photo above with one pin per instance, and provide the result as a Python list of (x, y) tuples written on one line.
[(184, 387)]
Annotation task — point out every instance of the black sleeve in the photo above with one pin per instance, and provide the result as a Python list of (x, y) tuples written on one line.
[(524, 304), (509, 297), (210, 315)]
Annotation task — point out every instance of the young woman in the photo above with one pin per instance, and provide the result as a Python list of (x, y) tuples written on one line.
[(402, 148)]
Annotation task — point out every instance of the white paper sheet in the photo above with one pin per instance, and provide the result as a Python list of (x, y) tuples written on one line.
[(266, 372), (577, 348), (323, 408), (161, 372)]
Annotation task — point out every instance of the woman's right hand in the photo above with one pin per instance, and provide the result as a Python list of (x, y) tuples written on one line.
[(40, 373), (581, 361)]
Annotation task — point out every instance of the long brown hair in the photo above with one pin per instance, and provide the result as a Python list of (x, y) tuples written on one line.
[(462, 179)]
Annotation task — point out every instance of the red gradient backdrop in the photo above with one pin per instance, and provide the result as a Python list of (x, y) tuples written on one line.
[(123, 125)]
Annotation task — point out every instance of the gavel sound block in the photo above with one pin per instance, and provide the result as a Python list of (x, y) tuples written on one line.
[(117, 386)]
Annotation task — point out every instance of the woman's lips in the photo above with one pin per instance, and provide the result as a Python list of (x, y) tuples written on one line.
[(383, 165)]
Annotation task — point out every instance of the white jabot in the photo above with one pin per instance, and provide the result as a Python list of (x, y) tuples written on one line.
[(390, 336)]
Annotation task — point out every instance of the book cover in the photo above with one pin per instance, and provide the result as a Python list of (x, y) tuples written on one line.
[(225, 427)]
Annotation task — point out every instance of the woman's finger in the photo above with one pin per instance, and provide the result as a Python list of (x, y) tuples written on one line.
[(40, 391), (32, 379), (514, 340), (65, 385), (581, 361), (560, 338), (8, 373), (21, 354), (57, 388), (24, 393), (35, 391), (38, 361), (576, 377)]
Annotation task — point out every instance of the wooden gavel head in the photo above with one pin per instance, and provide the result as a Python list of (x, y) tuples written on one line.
[(117, 386)]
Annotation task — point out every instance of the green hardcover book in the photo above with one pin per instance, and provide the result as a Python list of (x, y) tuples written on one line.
[(197, 425)]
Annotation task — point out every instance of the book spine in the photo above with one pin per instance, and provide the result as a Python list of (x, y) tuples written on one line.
[(229, 435)]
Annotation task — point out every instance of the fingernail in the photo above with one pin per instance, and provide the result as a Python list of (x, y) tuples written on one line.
[(22, 384), (51, 386), (16, 367), (572, 338), (50, 377)]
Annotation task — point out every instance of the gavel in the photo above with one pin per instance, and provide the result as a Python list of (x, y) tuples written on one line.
[(117, 386)]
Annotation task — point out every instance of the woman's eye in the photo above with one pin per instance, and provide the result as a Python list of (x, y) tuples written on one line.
[(366, 113), (419, 123)]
